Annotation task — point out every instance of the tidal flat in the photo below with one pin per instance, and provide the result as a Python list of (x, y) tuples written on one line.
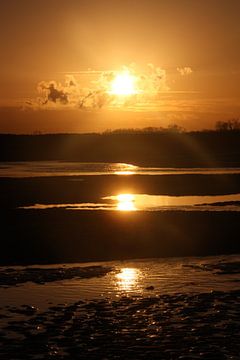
[(70, 287), (42, 224), (182, 308)]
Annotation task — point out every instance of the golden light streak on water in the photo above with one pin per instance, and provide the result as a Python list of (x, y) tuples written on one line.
[(127, 279), (125, 172), (126, 202)]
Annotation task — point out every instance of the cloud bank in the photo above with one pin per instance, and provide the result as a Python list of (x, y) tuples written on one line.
[(71, 93)]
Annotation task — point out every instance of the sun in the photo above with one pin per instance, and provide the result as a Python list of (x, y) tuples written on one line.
[(124, 84)]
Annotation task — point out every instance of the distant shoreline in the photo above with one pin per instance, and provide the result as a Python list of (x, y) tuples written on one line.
[(160, 148)]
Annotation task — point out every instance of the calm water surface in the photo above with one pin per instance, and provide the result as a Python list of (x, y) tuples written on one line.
[(130, 278), (145, 202), (122, 201), (60, 168)]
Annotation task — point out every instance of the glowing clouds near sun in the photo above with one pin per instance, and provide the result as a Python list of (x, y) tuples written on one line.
[(126, 87)]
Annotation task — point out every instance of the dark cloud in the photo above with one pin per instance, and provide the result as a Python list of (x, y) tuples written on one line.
[(54, 94)]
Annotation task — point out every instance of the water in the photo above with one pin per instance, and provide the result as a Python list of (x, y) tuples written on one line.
[(131, 278), (171, 308), (123, 201), (61, 168), (163, 302), (144, 202)]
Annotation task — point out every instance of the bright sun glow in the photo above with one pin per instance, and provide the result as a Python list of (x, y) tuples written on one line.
[(125, 202), (124, 84)]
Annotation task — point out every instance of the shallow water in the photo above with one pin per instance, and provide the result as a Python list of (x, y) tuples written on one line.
[(168, 308), (144, 202), (173, 308), (122, 201), (61, 168), (163, 276)]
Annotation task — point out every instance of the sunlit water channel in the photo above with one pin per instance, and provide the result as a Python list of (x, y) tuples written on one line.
[(130, 278), (61, 168), (144, 202)]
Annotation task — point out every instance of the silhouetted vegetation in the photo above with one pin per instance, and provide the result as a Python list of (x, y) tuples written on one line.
[(220, 126), (147, 130), (230, 125)]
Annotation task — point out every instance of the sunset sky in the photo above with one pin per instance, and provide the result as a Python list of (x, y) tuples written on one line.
[(59, 61)]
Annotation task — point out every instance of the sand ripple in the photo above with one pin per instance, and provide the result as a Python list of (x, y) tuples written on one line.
[(181, 326)]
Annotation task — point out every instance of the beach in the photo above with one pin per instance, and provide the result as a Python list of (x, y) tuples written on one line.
[(114, 261), (178, 308)]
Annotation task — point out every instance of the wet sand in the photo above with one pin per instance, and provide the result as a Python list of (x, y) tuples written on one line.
[(16, 276), (197, 319), (197, 326), (183, 324), (57, 235), (196, 322)]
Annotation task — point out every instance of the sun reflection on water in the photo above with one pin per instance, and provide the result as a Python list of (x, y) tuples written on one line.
[(126, 202), (126, 169), (125, 172), (127, 279)]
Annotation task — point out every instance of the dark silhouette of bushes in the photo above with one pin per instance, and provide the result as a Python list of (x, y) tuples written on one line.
[(229, 125), (174, 128)]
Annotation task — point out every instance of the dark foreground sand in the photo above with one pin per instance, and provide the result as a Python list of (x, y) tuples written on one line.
[(58, 236), (150, 324), (198, 326), (15, 276)]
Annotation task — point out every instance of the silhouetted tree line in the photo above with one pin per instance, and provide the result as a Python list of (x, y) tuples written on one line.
[(230, 125), (147, 130)]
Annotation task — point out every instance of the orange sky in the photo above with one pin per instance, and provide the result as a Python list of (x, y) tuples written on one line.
[(194, 43)]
